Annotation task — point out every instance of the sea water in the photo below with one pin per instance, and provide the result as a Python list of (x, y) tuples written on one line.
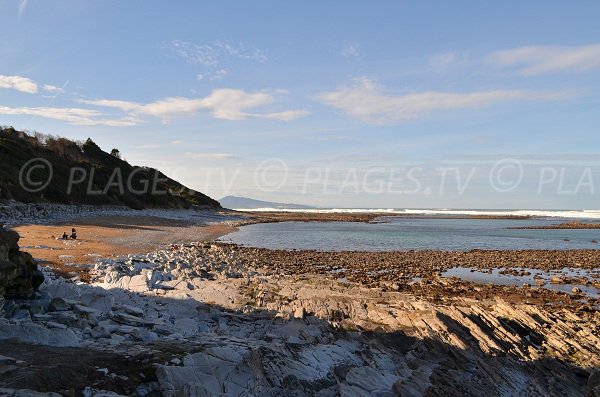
[(401, 233), (558, 214)]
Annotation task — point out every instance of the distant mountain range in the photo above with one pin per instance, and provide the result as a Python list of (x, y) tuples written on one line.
[(101, 178), (234, 202)]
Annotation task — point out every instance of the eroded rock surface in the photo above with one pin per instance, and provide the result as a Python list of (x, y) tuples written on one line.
[(209, 321), (19, 276)]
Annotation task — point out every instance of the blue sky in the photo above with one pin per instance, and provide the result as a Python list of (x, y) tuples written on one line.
[(355, 104)]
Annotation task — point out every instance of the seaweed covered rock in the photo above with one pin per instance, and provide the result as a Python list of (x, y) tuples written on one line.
[(19, 275)]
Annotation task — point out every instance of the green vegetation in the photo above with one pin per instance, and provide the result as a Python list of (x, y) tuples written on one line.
[(115, 153), (84, 174)]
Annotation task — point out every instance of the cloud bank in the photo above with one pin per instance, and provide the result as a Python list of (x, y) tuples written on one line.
[(366, 101), (536, 60), (77, 116), (224, 104)]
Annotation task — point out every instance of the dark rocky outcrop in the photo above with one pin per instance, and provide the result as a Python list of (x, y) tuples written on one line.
[(19, 275)]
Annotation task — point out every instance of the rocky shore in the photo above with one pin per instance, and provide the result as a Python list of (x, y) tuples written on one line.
[(288, 216), (565, 225), (17, 213), (397, 270), (206, 319)]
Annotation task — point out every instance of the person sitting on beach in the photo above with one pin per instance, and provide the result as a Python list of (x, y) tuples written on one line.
[(74, 234), (65, 236)]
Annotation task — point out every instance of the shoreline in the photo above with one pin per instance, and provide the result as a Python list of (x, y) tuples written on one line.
[(563, 226), (113, 236), (368, 217), (118, 237), (225, 317), (110, 236)]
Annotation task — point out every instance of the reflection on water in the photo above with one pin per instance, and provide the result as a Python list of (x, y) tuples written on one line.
[(414, 234), (564, 280)]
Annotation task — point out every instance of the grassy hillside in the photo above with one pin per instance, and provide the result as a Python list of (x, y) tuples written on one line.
[(106, 175)]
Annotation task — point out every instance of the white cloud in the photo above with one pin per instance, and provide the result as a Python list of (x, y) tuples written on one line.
[(443, 61), (201, 54), (225, 104), (215, 53), (351, 51), (212, 76), (535, 60), (219, 74), (18, 83), (220, 156), (289, 115), (241, 51), (326, 138), (22, 6), (53, 89), (366, 101), (77, 116), (216, 57)]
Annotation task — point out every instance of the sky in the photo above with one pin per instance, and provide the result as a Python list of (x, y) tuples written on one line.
[(388, 104)]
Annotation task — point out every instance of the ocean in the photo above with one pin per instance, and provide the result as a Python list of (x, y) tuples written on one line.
[(402, 233), (558, 214)]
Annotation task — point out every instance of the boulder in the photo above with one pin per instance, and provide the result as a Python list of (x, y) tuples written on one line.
[(593, 383), (26, 393), (19, 275)]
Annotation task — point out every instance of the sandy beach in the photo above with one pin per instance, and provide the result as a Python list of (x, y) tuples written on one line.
[(109, 237)]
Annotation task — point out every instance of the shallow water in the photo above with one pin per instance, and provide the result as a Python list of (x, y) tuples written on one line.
[(496, 277), (414, 234)]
